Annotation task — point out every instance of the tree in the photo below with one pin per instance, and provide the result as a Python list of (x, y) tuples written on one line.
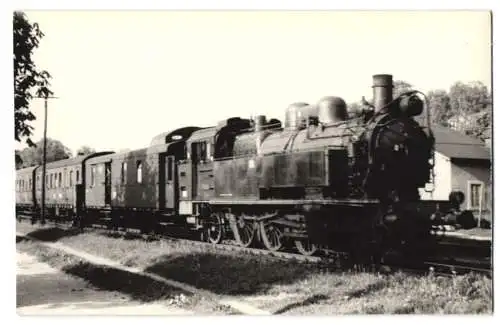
[(471, 106), (472, 97), (440, 107), (33, 155), (29, 81), (400, 87), (85, 150), (19, 160)]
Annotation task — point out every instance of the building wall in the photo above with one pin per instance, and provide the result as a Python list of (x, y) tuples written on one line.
[(467, 171), (442, 179)]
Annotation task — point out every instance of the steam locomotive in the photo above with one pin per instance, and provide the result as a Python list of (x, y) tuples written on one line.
[(348, 181)]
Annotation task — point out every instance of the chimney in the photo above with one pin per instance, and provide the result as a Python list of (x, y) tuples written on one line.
[(382, 90)]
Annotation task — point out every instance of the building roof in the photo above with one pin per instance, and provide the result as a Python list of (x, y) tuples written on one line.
[(454, 144)]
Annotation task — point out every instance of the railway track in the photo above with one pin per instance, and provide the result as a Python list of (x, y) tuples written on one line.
[(333, 259)]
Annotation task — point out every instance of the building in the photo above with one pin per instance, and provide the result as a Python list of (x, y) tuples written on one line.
[(469, 121), (462, 163)]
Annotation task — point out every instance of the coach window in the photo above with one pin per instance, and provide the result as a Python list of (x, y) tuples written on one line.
[(51, 181), (30, 183), (203, 151), (139, 171), (77, 176), (70, 178), (124, 172), (199, 151), (92, 175), (210, 150), (59, 179)]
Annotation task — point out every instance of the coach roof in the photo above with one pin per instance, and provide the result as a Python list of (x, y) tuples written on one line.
[(26, 170), (75, 160)]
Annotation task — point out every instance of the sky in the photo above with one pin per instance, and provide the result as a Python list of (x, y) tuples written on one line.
[(123, 77)]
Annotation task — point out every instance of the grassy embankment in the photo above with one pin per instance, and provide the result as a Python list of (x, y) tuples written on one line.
[(278, 286)]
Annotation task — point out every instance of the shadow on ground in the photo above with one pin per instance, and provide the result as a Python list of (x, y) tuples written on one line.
[(369, 289), (230, 275), (53, 234), (304, 303), (138, 287)]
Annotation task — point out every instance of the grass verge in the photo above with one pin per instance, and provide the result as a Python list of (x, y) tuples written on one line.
[(283, 287), (136, 287)]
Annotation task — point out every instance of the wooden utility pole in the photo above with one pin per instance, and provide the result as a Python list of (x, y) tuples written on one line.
[(44, 160)]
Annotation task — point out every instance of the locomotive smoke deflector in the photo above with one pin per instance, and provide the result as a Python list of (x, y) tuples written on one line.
[(382, 91)]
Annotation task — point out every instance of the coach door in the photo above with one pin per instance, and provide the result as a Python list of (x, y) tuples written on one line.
[(107, 183), (167, 183), (170, 184)]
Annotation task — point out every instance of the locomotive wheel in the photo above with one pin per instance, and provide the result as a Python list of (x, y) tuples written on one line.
[(246, 232), (305, 247), (271, 235), (215, 228)]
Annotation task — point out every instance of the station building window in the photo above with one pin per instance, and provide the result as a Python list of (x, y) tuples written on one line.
[(475, 195)]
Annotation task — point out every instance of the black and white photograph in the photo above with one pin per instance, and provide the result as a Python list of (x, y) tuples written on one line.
[(252, 162)]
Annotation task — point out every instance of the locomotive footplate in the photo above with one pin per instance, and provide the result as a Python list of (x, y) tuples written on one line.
[(278, 202)]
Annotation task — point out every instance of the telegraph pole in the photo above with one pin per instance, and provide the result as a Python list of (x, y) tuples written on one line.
[(44, 160)]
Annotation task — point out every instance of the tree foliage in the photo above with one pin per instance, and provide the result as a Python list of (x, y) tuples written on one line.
[(33, 155), (469, 98), (440, 106), (85, 150), (401, 86), (29, 80), (465, 107)]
